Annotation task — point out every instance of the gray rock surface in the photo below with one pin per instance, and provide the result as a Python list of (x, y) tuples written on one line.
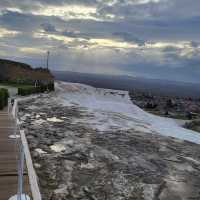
[(75, 161)]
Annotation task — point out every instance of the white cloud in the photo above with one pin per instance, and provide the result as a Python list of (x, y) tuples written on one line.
[(163, 44), (8, 33), (68, 12), (32, 50), (50, 36), (111, 43)]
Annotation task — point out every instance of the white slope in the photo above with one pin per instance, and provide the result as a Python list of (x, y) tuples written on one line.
[(113, 109)]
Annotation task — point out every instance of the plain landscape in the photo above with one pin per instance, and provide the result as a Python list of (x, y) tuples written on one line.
[(94, 141), (99, 100)]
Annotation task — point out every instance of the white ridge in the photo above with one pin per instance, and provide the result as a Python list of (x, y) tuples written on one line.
[(113, 108)]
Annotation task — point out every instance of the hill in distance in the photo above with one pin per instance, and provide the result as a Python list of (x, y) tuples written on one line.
[(155, 86), (19, 72)]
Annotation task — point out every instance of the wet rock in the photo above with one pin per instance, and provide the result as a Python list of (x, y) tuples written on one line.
[(61, 193)]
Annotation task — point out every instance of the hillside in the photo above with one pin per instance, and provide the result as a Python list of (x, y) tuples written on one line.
[(20, 72)]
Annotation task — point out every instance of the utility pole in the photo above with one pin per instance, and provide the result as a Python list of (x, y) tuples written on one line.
[(48, 53)]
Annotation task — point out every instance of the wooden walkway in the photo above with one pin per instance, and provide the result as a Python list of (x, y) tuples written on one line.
[(9, 159)]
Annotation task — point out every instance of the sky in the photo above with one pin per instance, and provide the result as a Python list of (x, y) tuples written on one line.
[(157, 39)]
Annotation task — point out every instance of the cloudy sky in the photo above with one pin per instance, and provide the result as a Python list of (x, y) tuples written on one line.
[(145, 38)]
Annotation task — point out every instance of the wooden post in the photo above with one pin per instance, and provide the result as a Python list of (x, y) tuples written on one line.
[(48, 53)]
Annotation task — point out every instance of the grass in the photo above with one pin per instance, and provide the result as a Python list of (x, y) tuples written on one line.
[(15, 85)]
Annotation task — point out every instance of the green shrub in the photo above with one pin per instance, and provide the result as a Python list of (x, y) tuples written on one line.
[(2, 100), (51, 87), (43, 88), (4, 95), (34, 90), (26, 91)]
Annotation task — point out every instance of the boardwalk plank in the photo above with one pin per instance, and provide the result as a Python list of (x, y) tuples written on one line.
[(8, 159)]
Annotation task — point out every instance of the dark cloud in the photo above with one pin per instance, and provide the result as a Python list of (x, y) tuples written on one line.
[(129, 37), (48, 27), (132, 22), (28, 23)]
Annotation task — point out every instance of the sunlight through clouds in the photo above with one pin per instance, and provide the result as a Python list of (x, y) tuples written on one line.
[(29, 50), (128, 36), (180, 44), (68, 12), (65, 39), (112, 43), (8, 33), (91, 43)]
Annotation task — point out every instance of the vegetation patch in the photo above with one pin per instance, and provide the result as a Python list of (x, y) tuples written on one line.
[(20, 73), (4, 95), (14, 85), (193, 125), (24, 91)]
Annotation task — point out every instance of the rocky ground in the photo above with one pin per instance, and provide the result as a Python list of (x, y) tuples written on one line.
[(75, 161), (193, 125), (173, 107)]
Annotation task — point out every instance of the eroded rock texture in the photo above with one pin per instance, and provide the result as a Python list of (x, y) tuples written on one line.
[(74, 161)]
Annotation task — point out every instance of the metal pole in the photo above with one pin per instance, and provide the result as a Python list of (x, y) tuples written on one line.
[(16, 122), (8, 106), (48, 59)]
